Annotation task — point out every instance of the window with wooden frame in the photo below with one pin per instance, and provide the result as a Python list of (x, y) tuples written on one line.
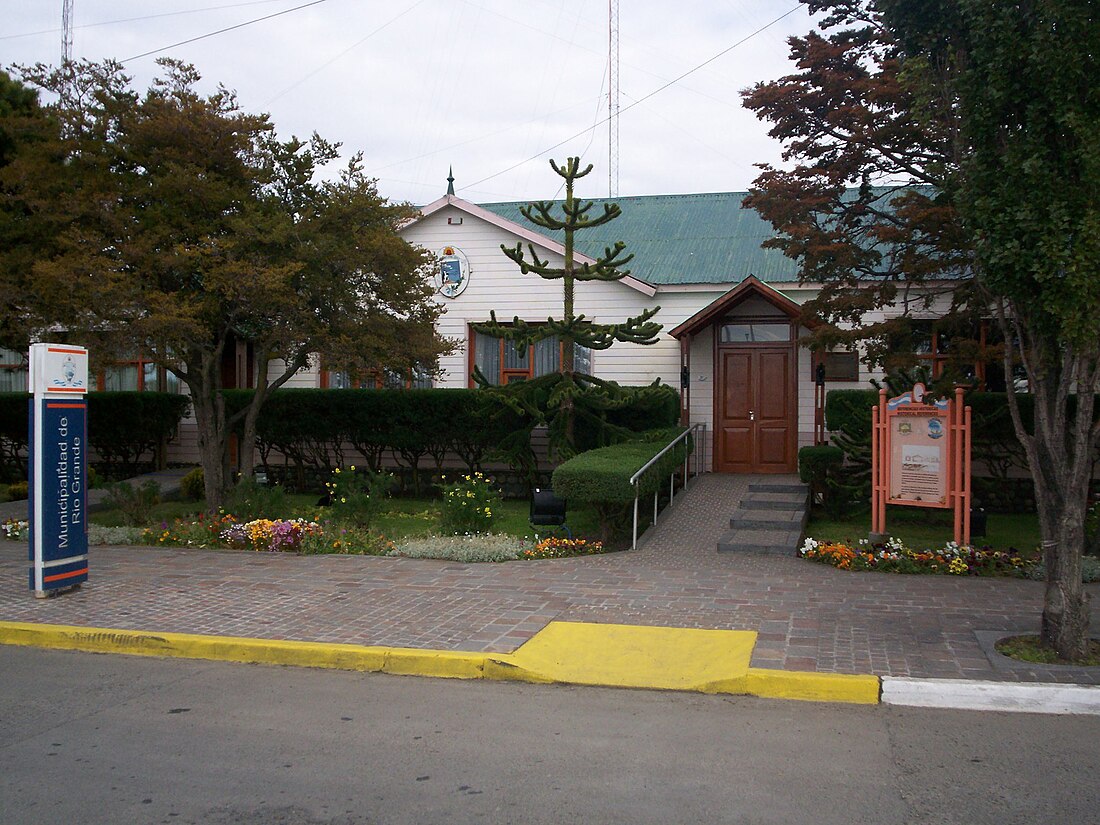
[(500, 363), (966, 356), (137, 374), (414, 379), (755, 331)]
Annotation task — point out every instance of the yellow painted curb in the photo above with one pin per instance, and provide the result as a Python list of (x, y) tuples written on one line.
[(663, 658), (660, 658), (445, 663), (813, 687)]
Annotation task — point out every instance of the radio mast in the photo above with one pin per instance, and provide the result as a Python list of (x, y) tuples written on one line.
[(612, 98), (67, 32)]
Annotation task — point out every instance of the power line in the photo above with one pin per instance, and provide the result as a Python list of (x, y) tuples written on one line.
[(223, 31), (354, 45), (640, 100), (143, 17)]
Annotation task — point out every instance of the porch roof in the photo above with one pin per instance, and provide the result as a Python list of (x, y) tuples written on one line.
[(748, 287)]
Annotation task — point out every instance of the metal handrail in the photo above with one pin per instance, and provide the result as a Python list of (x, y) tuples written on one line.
[(702, 428)]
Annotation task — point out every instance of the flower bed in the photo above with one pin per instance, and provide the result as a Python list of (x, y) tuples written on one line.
[(270, 535), (312, 538), (554, 548), (15, 529), (893, 556)]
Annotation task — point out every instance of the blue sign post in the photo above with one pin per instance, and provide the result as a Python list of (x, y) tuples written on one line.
[(58, 423)]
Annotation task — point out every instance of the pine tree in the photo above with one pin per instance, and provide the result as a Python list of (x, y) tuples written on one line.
[(559, 408)]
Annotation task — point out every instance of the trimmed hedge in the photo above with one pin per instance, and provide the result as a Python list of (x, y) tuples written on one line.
[(603, 475), (319, 430), (814, 463), (13, 436), (123, 428)]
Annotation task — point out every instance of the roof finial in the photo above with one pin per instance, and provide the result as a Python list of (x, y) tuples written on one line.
[(450, 180)]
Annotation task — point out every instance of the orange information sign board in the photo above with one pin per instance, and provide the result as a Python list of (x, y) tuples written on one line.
[(920, 457)]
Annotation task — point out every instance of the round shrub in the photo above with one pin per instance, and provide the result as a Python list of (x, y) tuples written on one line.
[(193, 485)]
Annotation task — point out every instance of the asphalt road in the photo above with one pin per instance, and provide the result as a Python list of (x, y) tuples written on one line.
[(87, 738)]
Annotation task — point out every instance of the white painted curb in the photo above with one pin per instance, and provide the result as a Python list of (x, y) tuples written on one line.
[(1016, 697)]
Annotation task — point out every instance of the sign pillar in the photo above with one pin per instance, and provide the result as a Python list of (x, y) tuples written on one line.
[(58, 496)]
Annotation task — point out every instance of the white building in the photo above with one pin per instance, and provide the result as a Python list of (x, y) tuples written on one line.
[(729, 309)]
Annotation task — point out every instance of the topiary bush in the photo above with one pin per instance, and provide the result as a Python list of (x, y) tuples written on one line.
[(601, 477)]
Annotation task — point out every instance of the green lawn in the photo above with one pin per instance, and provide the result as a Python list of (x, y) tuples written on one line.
[(930, 528)]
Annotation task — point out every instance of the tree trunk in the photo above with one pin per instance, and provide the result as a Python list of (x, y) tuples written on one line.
[(205, 386), (263, 390), (1065, 624), (248, 429), (1059, 455), (212, 448)]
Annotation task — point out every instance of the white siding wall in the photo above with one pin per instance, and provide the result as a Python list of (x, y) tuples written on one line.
[(497, 284)]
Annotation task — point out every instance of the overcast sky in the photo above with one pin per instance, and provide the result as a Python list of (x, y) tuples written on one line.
[(489, 86)]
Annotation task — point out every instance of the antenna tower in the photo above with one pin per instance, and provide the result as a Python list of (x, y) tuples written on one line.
[(612, 98), (67, 32)]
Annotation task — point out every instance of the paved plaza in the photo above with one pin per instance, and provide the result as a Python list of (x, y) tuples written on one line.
[(809, 617)]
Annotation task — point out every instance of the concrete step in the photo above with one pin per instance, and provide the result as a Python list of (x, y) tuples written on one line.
[(779, 487), (768, 519), (773, 501), (765, 542)]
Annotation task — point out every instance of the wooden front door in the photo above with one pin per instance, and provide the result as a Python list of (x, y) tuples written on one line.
[(756, 410)]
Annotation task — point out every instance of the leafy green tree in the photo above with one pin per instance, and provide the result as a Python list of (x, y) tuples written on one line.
[(949, 149), (555, 401), (186, 230), (20, 116), (1030, 194)]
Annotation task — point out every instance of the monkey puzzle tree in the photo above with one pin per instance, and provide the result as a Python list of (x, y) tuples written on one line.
[(559, 409)]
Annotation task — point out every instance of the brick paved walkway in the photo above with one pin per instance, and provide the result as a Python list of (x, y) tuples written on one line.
[(809, 617)]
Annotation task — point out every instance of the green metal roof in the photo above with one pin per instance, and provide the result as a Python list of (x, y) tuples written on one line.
[(680, 239)]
